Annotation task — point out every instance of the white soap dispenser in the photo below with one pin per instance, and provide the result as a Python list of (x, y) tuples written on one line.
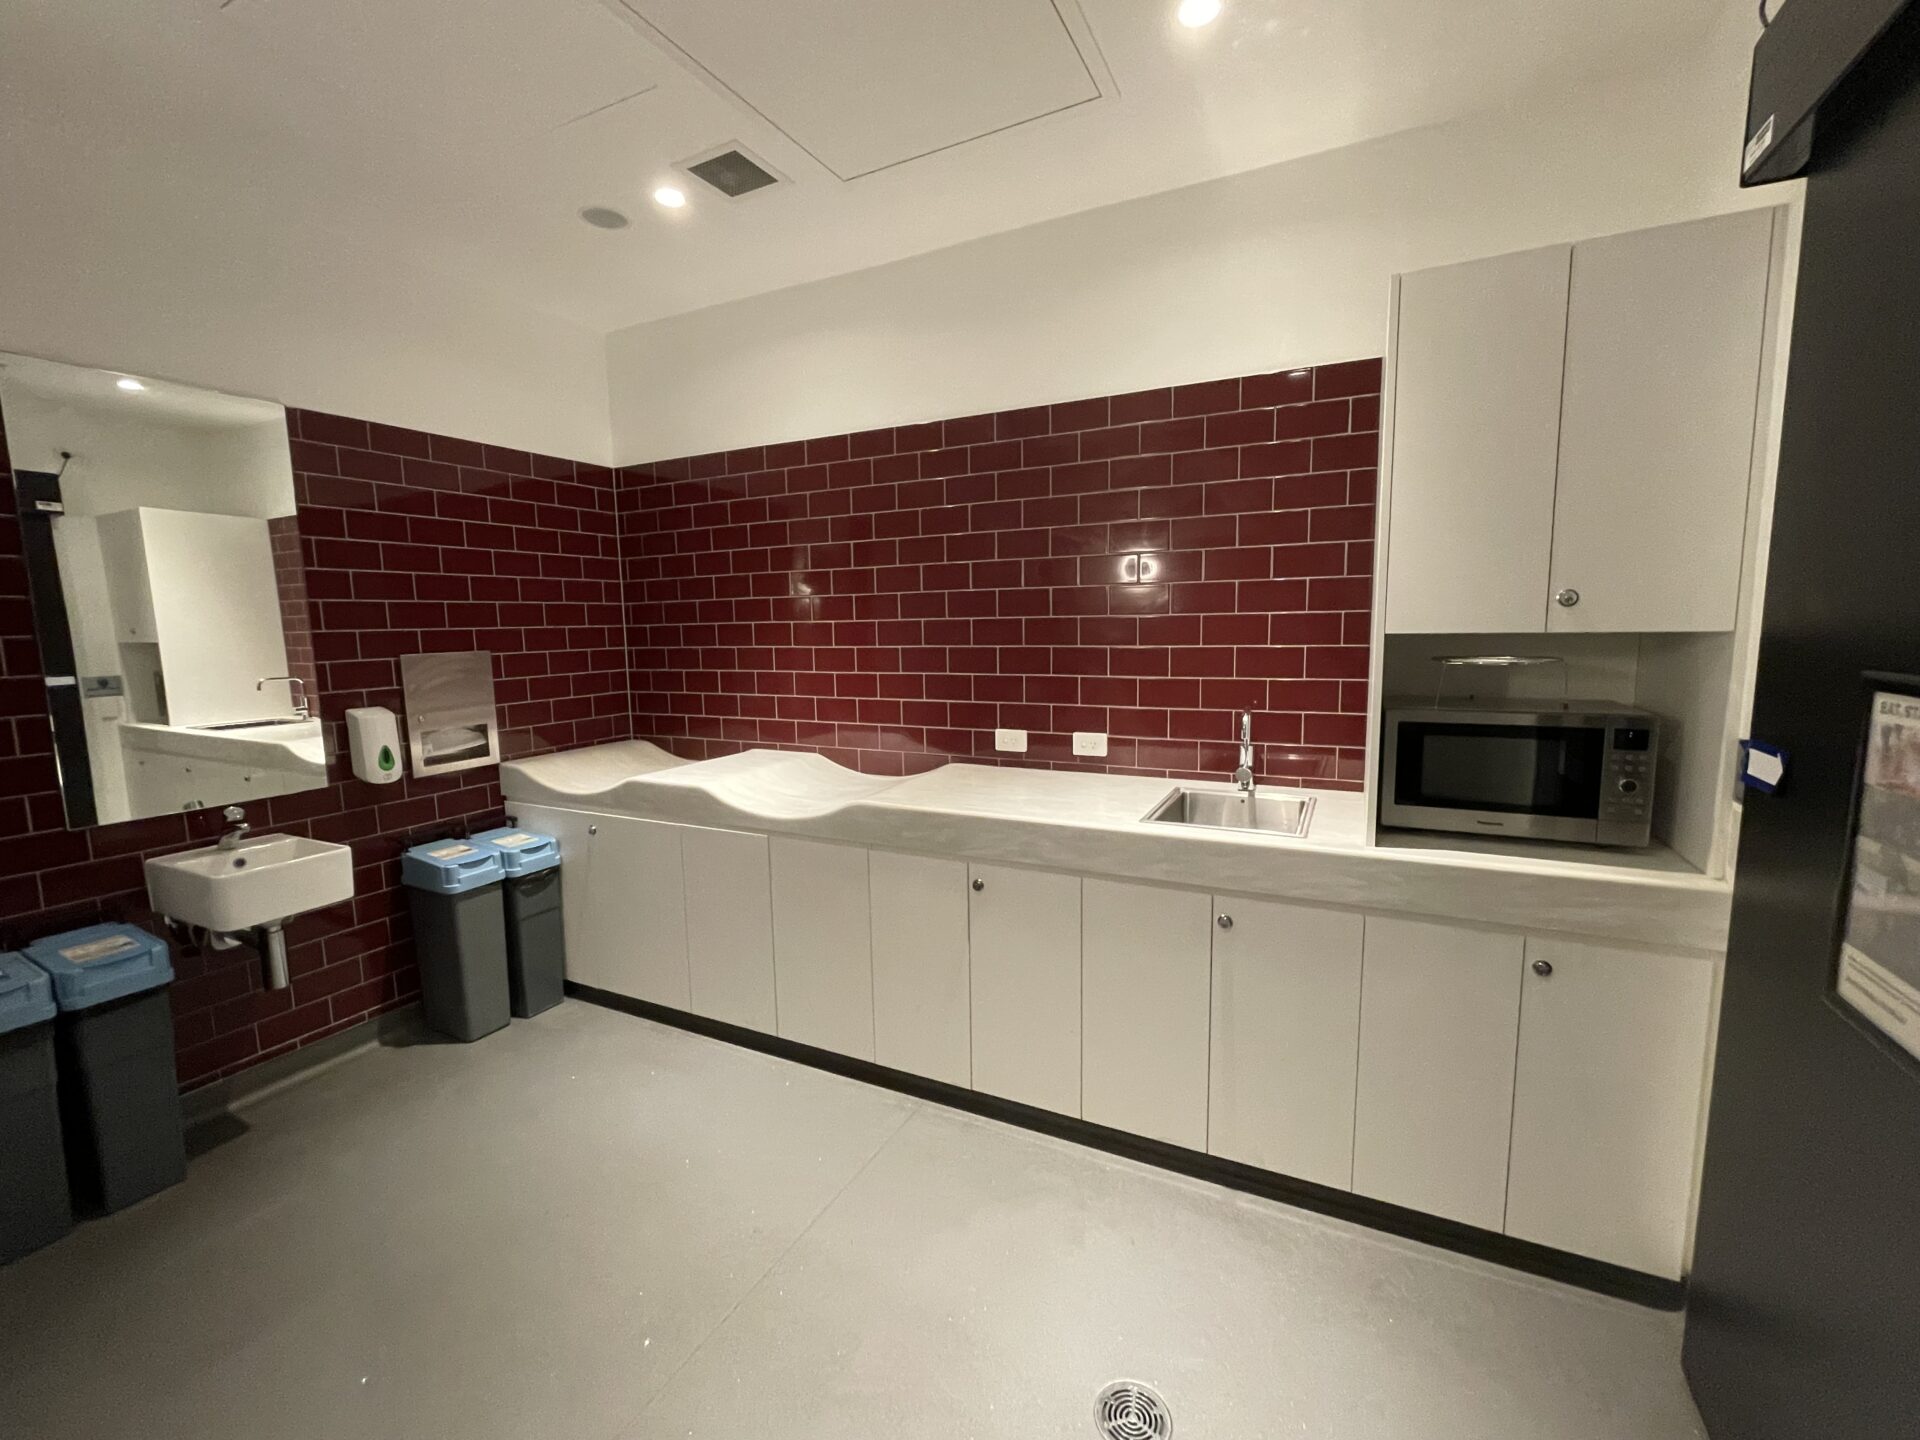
[(373, 740)]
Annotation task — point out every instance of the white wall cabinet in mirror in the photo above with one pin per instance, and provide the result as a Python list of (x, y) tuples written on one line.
[(168, 595)]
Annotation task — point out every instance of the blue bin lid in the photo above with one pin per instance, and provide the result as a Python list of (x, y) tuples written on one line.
[(523, 852), (26, 993), (450, 867), (98, 963)]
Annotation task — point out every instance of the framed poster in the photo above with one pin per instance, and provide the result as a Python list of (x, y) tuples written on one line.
[(1877, 976)]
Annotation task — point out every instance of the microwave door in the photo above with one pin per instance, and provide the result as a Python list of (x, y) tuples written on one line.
[(1535, 781)]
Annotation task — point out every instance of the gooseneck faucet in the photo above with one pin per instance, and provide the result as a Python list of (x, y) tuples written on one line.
[(1243, 777), (296, 687)]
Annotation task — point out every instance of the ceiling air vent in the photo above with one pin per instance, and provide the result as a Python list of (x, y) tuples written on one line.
[(732, 172)]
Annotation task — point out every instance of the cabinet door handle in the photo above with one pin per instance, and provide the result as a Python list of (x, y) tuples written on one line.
[(1567, 599), (1543, 968), (1225, 922), (978, 886)]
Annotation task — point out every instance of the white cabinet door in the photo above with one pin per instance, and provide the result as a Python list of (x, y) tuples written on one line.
[(729, 928), (1656, 439), (822, 951), (1439, 1014), (1026, 986), (216, 609), (1476, 358), (1286, 1032), (622, 900), (1145, 984), (920, 970), (1606, 1108)]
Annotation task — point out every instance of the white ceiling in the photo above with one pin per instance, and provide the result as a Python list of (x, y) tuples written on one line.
[(465, 135), (182, 406)]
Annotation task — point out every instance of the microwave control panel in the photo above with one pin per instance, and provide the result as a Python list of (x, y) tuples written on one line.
[(1626, 785)]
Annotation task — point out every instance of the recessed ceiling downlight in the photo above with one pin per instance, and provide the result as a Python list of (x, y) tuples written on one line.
[(671, 196), (602, 218), (127, 382), (1195, 13)]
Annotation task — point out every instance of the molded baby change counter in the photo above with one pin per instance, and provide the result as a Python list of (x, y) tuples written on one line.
[(35, 1209), (113, 1041), (536, 933), (459, 927)]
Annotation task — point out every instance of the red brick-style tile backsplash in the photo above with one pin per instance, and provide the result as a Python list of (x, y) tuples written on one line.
[(411, 542), (1144, 564)]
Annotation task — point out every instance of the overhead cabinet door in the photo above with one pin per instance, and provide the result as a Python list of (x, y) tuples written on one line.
[(1656, 433), (1476, 431)]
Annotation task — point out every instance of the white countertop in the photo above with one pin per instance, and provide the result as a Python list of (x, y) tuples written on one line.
[(1091, 823)]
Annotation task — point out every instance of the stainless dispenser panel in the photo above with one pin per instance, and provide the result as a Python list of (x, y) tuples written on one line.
[(451, 721)]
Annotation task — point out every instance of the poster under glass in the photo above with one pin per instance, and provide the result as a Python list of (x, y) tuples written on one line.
[(1878, 976)]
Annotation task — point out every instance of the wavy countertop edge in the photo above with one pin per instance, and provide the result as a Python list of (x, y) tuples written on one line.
[(1092, 822)]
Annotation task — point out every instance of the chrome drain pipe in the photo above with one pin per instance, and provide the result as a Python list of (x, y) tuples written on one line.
[(272, 943)]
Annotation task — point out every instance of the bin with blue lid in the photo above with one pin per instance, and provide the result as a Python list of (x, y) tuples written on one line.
[(459, 930), (536, 929), (35, 1209), (113, 1043)]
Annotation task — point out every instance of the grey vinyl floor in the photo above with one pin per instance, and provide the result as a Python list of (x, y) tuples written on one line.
[(591, 1227)]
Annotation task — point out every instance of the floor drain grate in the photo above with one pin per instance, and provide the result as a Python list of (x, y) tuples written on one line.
[(1128, 1410)]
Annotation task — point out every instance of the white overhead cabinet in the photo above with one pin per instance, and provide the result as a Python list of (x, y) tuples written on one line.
[(1477, 358), (1439, 1017), (822, 950), (921, 974), (1144, 994), (1572, 434), (1026, 985), (1286, 1030), (202, 589), (729, 928), (1607, 1098)]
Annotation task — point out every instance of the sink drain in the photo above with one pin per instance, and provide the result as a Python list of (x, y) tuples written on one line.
[(1129, 1410)]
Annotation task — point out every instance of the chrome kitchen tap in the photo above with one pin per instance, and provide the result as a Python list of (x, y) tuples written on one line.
[(1243, 777), (296, 687)]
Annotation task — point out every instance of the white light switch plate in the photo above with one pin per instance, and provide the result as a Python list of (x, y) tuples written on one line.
[(1090, 742), (1014, 740)]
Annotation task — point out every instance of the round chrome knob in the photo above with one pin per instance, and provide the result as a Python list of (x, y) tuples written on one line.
[(1567, 599), (978, 886), (1543, 968), (1225, 922), (593, 829)]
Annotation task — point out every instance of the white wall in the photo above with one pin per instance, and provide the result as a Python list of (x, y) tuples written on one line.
[(251, 303), (1277, 267)]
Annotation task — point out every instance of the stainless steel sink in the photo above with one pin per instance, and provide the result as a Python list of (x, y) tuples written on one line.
[(1269, 812)]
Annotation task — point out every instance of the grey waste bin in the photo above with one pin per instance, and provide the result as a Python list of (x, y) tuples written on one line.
[(35, 1209), (113, 1041), (459, 930), (536, 931)]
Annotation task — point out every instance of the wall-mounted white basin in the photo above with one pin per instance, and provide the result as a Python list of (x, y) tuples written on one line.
[(261, 881)]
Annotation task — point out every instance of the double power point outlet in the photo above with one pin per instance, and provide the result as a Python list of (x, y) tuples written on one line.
[(1085, 742)]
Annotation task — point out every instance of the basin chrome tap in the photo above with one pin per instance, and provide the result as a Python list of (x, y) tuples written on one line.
[(296, 687), (1243, 777), (236, 819)]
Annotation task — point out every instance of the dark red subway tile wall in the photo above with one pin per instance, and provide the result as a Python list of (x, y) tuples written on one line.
[(411, 542), (1143, 564)]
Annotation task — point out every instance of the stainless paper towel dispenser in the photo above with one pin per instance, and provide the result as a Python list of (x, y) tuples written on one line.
[(451, 721)]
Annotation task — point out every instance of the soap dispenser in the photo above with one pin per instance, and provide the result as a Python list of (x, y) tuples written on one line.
[(373, 740)]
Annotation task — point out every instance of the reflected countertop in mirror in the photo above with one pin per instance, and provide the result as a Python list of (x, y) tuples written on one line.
[(158, 522)]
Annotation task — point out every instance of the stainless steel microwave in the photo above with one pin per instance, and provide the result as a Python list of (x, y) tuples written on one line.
[(1583, 774)]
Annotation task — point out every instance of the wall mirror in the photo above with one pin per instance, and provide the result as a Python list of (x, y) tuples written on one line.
[(169, 601)]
